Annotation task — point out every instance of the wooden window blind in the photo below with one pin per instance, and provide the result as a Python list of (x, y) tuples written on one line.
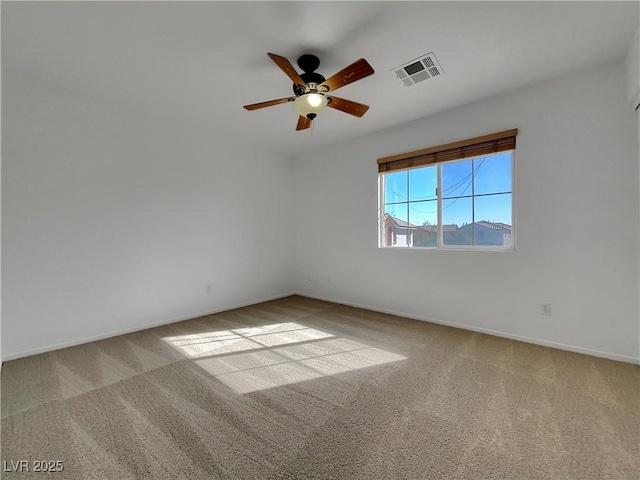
[(473, 147)]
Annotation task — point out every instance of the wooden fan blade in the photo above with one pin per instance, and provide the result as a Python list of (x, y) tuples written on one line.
[(356, 71), (347, 106), (287, 68), (270, 103), (303, 123)]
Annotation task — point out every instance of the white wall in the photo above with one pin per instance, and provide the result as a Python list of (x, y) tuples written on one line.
[(577, 221), (113, 220), (638, 146), (632, 67)]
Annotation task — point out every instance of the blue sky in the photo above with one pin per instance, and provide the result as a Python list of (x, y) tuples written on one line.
[(492, 176)]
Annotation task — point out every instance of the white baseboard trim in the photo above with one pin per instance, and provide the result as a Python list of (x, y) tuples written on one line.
[(102, 336), (496, 333)]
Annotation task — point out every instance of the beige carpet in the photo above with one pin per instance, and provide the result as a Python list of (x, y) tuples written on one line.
[(298, 388)]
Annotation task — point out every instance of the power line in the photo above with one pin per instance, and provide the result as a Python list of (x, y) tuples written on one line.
[(473, 174), (467, 178)]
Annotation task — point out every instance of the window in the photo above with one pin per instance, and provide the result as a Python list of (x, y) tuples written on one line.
[(458, 195)]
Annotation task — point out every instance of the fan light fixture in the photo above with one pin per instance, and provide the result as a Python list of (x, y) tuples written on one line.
[(310, 105)]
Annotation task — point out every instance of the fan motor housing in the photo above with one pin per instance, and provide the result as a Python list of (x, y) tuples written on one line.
[(308, 78)]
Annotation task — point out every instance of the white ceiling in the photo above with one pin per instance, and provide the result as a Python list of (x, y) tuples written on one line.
[(205, 60)]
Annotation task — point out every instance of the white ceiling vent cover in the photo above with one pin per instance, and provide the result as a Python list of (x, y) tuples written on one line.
[(418, 70)]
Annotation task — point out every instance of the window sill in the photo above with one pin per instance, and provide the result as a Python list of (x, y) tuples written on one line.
[(453, 249)]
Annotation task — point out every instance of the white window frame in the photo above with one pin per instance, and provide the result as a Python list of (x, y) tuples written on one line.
[(440, 235)]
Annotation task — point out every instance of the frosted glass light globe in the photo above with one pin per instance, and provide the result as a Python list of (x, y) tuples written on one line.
[(310, 104)]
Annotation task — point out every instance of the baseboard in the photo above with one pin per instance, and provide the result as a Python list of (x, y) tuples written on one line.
[(80, 341), (497, 333)]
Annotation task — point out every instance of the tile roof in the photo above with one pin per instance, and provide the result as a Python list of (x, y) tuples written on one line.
[(494, 225), (426, 228), (434, 228), (400, 223)]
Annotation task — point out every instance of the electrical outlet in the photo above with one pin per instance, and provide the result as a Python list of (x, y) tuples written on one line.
[(545, 309)]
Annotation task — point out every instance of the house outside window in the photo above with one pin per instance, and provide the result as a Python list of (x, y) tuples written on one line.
[(458, 195)]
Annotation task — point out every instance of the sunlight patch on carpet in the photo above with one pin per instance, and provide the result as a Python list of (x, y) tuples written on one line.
[(205, 344), (257, 358)]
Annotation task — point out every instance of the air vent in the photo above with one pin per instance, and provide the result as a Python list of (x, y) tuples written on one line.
[(418, 70)]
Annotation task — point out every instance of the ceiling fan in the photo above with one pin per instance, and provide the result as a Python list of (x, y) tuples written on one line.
[(313, 92)]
